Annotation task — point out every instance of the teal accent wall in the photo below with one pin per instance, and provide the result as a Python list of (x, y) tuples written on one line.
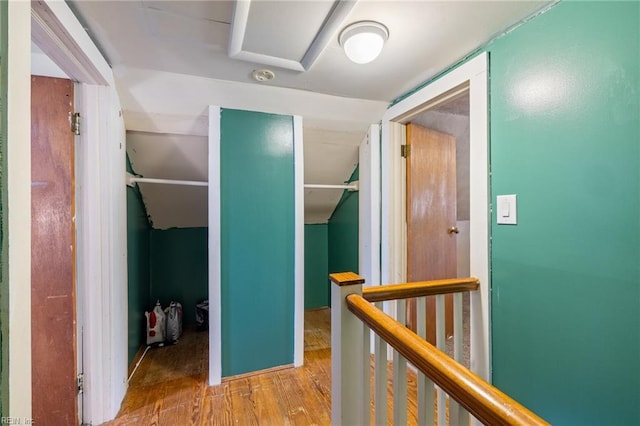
[(343, 232), (565, 137), (257, 240), (180, 269), (138, 268), (316, 266), (4, 259)]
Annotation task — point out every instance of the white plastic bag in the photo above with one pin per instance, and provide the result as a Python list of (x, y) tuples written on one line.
[(156, 325)]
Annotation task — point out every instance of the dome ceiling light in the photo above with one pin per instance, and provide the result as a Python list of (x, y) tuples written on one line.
[(363, 41)]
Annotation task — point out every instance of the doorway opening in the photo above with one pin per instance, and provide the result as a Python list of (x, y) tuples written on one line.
[(100, 250), (471, 78), (437, 208), (167, 255)]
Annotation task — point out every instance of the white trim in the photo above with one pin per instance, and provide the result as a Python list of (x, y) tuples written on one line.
[(369, 213), (239, 27), (101, 207), (17, 208), (474, 73), (273, 61), (238, 30), (57, 32), (215, 277), (89, 212), (369, 207), (330, 27), (298, 161), (479, 234), (114, 138), (101, 239), (81, 261), (393, 214)]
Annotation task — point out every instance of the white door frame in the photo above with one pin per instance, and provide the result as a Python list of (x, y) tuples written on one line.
[(17, 208), (369, 207), (100, 203), (473, 76)]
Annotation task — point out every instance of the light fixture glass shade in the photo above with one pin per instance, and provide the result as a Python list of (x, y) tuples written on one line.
[(363, 41)]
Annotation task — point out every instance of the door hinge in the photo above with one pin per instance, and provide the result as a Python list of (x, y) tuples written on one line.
[(405, 151), (75, 123), (80, 383)]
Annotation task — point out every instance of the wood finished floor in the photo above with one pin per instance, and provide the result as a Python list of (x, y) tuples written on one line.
[(170, 387)]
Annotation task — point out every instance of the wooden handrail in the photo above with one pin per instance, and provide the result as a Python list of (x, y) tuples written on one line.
[(484, 401), (419, 289)]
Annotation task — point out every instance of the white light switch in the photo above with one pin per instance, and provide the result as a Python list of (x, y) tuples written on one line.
[(507, 210)]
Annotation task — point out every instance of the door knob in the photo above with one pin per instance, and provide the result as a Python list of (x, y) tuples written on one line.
[(453, 230)]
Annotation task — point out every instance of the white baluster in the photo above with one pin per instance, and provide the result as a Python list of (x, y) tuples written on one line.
[(381, 394), (426, 402), (457, 414), (441, 344), (479, 337), (366, 375), (400, 374)]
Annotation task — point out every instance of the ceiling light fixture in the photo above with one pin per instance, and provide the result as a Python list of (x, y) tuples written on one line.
[(363, 41)]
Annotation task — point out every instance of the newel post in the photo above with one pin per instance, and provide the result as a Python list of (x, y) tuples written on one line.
[(347, 399)]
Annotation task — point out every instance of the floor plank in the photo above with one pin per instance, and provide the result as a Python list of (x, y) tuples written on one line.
[(170, 387)]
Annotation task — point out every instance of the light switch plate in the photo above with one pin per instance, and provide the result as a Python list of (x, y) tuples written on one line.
[(507, 210)]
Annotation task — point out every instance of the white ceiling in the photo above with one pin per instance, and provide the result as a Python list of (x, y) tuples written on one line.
[(175, 157), (171, 60)]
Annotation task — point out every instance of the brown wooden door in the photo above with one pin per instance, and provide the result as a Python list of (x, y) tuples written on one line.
[(53, 329), (431, 212)]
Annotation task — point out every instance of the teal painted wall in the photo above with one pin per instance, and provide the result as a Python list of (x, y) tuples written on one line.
[(565, 137), (4, 259), (343, 232), (316, 266), (138, 267), (179, 269), (257, 240)]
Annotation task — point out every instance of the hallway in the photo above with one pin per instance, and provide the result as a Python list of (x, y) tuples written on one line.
[(170, 386)]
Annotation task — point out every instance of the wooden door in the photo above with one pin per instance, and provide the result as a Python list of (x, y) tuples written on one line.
[(431, 212), (53, 329)]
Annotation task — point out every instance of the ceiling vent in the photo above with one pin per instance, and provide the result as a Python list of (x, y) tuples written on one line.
[(263, 75)]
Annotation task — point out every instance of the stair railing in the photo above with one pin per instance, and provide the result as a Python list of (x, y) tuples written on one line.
[(354, 316)]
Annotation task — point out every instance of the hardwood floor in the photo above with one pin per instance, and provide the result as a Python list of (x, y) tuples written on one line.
[(170, 387)]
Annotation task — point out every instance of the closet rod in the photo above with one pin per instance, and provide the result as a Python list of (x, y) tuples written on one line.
[(353, 186), (132, 180)]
